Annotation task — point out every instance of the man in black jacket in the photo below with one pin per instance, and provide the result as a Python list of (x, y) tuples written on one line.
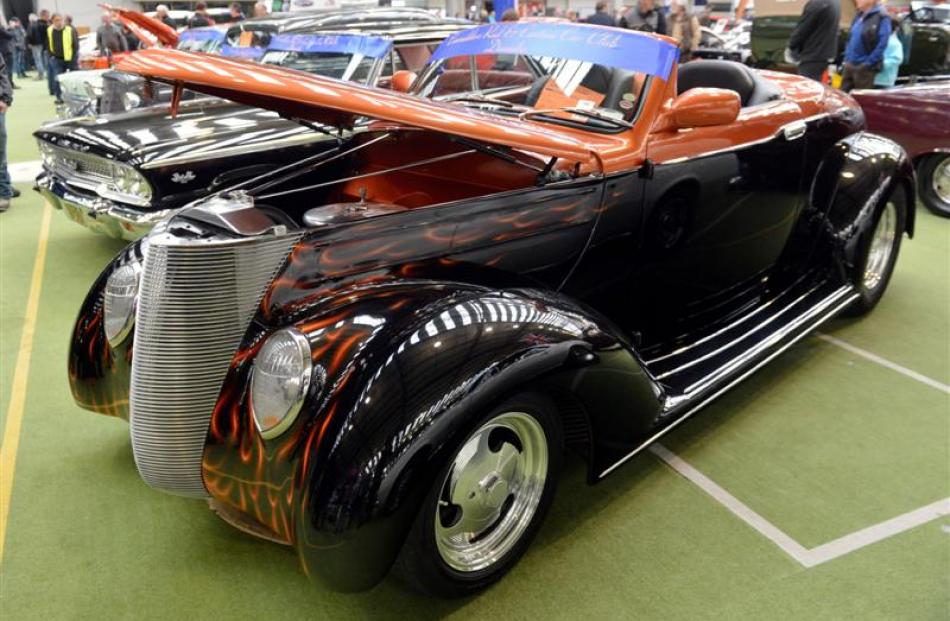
[(6, 99), (815, 38), (36, 38), (601, 17)]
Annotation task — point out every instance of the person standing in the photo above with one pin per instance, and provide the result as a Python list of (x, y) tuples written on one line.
[(260, 9), (161, 14), (815, 38), (644, 17), (864, 53), (200, 18), (235, 14), (893, 57), (684, 27), (7, 44), (19, 47), (109, 38), (36, 38), (601, 17), (63, 44), (6, 100)]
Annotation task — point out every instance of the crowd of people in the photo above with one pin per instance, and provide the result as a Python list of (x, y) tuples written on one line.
[(872, 56)]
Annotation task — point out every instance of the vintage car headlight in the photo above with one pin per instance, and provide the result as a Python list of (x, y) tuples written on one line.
[(131, 101), (119, 299), (127, 181), (280, 380)]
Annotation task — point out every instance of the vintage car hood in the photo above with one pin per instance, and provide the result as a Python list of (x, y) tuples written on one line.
[(325, 100), (203, 129), (165, 34), (919, 96)]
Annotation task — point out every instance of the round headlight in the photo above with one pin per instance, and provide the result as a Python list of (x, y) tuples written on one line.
[(130, 101), (119, 298), (279, 381)]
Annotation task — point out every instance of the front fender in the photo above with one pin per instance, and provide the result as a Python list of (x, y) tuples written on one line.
[(99, 376), (408, 365)]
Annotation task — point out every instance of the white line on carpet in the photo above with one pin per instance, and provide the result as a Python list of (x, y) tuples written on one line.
[(22, 172), (884, 362), (806, 557)]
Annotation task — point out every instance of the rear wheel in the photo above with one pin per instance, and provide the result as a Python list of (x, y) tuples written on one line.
[(488, 502), (878, 255), (933, 183)]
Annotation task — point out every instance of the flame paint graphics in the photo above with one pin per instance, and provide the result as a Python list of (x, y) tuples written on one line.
[(98, 375), (339, 286), (260, 478), (472, 231)]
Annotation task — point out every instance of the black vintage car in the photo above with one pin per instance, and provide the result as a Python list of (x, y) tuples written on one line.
[(379, 354), (119, 174)]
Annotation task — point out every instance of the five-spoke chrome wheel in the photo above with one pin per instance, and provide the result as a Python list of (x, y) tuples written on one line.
[(882, 247), (491, 492)]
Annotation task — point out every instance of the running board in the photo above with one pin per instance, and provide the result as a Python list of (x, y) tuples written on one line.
[(696, 373)]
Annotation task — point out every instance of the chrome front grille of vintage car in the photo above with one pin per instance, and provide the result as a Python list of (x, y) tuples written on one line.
[(76, 168), (196, 302)]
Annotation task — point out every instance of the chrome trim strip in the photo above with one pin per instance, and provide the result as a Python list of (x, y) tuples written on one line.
[(818, 322)]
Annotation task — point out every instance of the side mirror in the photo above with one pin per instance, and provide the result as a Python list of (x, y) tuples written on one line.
[(402, 80), (704, 107)]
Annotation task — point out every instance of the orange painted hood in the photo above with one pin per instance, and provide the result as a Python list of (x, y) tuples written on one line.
[(325, 100), (137, 22)]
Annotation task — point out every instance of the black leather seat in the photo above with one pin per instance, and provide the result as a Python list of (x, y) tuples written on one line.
[(753, 89)]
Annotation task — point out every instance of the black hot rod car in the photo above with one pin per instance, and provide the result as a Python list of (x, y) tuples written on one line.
[(377, 355)]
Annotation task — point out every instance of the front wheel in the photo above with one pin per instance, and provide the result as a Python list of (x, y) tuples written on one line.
[(488, 503), (878, 255), (933, 183)]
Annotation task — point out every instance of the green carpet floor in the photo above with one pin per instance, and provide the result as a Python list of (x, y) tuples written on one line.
[(821, 443)]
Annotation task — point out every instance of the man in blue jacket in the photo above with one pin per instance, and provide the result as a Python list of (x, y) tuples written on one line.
[(864, 53)]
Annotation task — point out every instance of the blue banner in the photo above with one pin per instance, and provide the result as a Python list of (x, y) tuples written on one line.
[(613, 47), (373, 47), (241, 52), (201, 34)]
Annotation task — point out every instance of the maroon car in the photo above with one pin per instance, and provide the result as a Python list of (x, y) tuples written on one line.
[(917, 117)]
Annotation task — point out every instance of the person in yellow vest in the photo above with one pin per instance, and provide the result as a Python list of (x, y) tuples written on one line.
[(63, 43)]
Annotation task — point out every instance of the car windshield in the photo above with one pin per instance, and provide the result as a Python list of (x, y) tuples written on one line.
[(579, 75), (344, 57), (201, 40)]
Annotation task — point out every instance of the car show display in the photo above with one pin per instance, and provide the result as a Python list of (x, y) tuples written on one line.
[(376, 352), (423, 309)]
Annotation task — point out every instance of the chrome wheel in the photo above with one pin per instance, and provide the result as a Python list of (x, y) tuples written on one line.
[(492, 491), (940, 181), (882, 247)]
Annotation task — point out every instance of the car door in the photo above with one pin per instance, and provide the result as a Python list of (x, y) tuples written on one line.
[(718, 210)]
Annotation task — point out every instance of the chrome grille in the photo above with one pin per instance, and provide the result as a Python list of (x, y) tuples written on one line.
[(195, 304), (77, 168)]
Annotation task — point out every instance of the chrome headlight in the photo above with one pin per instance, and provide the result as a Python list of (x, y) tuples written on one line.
[(119, 300), (280, 380), (46, 152), (126, 185), (130, 101)]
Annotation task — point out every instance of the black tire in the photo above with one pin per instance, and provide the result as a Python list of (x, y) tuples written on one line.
[(870, 293), (936, 203), (421, 564)]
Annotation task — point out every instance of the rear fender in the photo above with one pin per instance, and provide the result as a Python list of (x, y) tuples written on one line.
[(857, 175)]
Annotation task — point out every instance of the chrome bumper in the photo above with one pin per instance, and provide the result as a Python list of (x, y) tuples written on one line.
[(98, 214)]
